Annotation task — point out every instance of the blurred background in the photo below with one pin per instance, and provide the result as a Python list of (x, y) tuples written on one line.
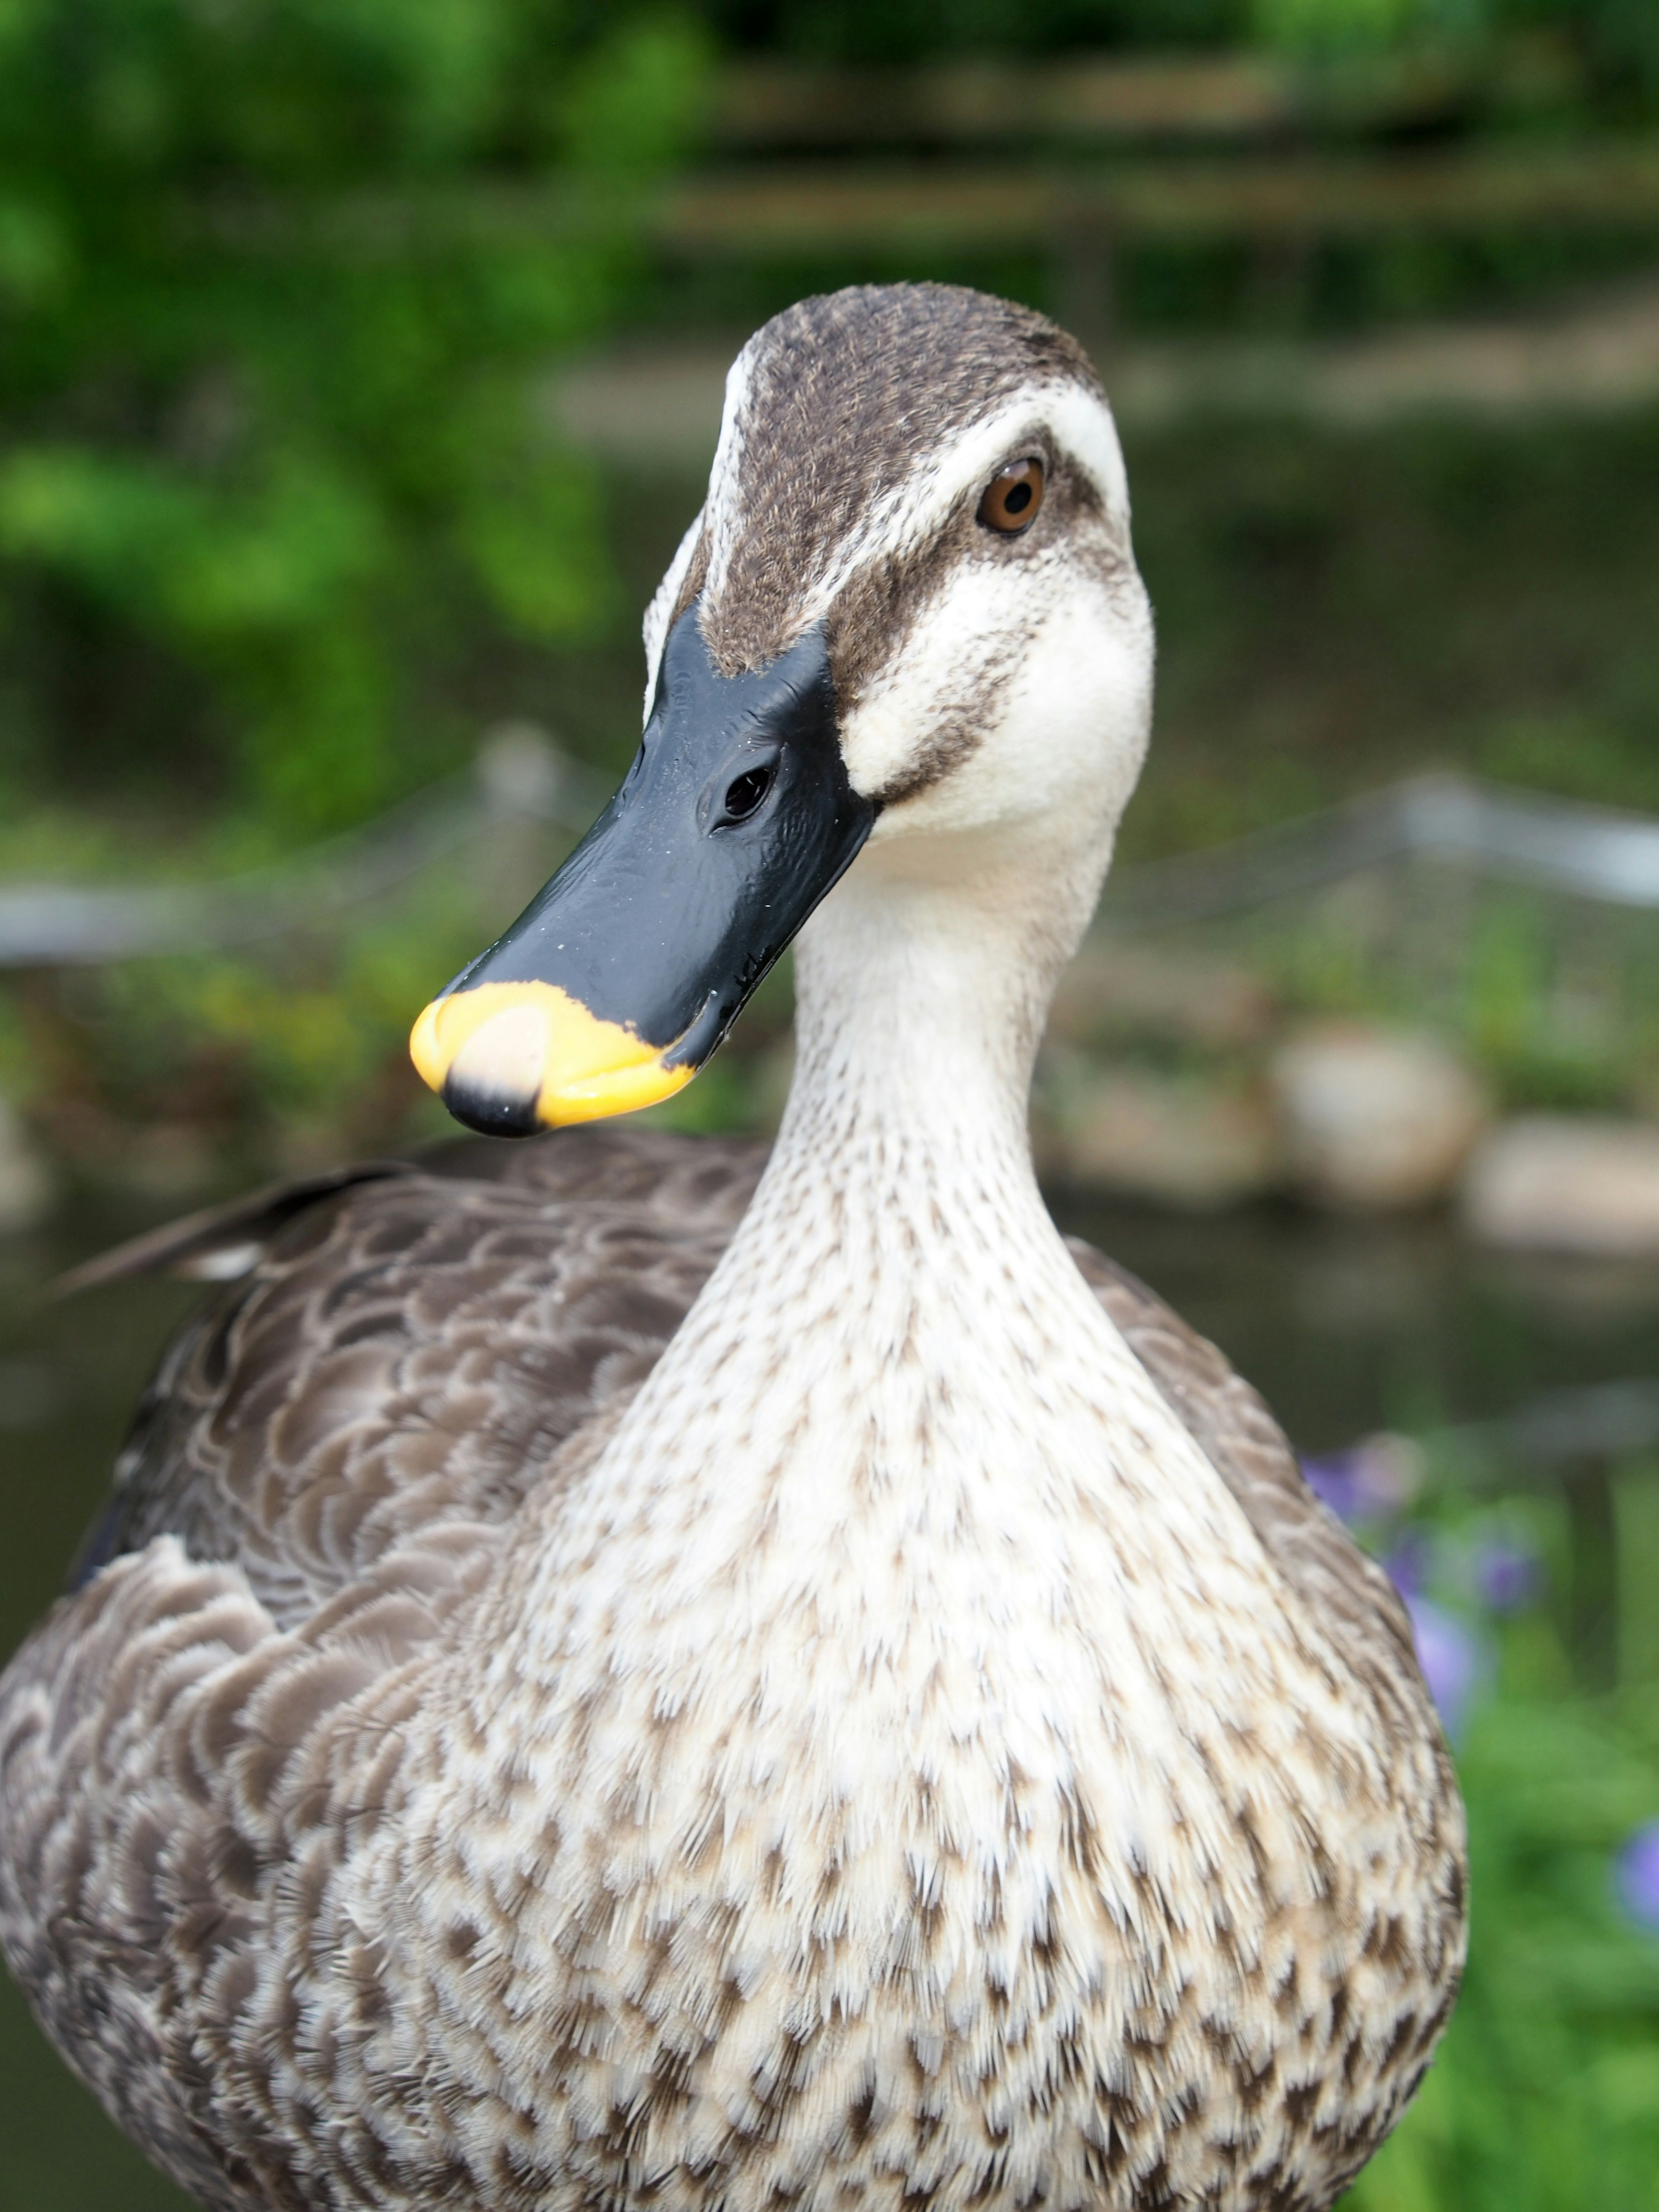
[(360, 366)]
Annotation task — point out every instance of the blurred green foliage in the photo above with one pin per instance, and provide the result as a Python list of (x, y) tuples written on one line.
[(271, 291), (1544, 2095), (279, 286)]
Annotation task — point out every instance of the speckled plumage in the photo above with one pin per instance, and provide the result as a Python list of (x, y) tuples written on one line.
[(604, 1690)]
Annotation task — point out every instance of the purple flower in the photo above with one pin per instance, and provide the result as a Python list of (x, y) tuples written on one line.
[(1508, 1573), (1452, 1657), (1636, 1872), (1379, 1475), (1410, 1560), (1332, 1481)]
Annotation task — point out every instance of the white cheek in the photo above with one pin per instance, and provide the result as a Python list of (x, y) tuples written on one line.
[(933, 678), (1068, 666), (1076, 724)]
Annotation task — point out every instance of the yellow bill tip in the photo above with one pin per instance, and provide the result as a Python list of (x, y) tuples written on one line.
[(509, 1057)]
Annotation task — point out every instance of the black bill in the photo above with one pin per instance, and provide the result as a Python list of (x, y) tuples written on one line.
[(620, 978)]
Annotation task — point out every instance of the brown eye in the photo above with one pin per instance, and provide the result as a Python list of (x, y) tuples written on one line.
[(1013, 498)]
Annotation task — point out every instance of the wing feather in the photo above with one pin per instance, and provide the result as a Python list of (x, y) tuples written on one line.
[(410, 1348)]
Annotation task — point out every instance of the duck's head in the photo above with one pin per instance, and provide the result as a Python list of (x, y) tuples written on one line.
[(907, 617)]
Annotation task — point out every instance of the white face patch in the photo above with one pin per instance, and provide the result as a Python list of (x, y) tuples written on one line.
[(1049, 669), (1020, 681)]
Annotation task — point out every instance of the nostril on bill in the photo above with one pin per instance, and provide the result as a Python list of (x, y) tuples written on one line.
[(744, 794)]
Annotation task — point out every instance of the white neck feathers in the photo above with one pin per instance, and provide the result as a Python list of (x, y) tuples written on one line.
[(896, 1379)]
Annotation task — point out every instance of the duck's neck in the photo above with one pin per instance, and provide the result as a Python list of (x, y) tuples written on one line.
[(897, 1322), (896, 1422), (920, 1006), (900, 1191)]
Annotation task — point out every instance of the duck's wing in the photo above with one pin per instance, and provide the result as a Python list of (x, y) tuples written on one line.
[(1350, 1594), (405, 1347), (221, 1242)]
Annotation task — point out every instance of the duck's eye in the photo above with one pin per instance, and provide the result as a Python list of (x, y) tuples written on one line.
[(744, 794), (1013, 498)]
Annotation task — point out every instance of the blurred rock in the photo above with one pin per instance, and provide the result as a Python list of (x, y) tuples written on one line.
[(1130, 990), (519, 768), (1374, 1119), (26, 1188), (1149, 1136), (1567, 1183)]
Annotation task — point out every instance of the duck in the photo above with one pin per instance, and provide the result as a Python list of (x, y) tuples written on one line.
[(628, 1670)]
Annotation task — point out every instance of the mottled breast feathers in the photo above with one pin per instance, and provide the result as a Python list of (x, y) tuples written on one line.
[(211, 1753), (412, 1346)]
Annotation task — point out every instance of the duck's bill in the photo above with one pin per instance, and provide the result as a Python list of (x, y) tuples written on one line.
[(622, 977)]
